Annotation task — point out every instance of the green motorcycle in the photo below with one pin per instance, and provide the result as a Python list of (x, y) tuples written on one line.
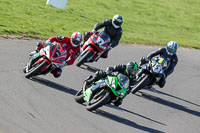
[(104, 91)]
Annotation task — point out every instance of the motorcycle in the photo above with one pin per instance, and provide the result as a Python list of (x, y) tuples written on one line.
[(94, 47), (104, 91), (46, 60), (150, 73)]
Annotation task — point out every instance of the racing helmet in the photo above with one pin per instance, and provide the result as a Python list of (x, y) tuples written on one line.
[(76, 39), (131, 69), (117, 21), (171, 48)]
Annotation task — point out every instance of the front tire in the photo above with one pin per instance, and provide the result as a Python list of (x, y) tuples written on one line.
[(84, 58), (36, 70), (100, 102), (79, 98), (141, 84)]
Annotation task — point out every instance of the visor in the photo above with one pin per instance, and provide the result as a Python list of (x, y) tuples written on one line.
[(117, 23), (131, 71), (75, 42), (171, 50)]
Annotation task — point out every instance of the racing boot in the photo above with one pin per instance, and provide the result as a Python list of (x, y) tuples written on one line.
[(118, 102), (105, 55)]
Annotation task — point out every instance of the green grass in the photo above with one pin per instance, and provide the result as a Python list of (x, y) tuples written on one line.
[(145, 21)]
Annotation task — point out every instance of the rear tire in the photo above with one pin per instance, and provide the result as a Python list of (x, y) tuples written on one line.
[(36, 70), (79, 98), (84, 58), (102, 101), (141, 84)]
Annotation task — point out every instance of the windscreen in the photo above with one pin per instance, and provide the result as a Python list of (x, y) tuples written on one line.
[(123, 80), (103, 38)]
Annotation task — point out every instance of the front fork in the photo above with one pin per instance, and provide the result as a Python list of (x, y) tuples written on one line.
[(139, 74), (90, 92), (31, 60)]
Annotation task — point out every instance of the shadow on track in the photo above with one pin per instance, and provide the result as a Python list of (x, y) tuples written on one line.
[(168, 103), (54, 85), (125, 121), (128, 111), (169, 95), (90, 68), (163, 93)]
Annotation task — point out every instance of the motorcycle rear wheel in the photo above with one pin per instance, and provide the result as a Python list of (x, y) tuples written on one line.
[(36, 70), (100, 102), (84, 58)]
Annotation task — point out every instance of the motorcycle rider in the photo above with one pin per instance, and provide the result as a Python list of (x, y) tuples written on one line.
[(70, 44), (112, 27), (169, 54), (130, 70)]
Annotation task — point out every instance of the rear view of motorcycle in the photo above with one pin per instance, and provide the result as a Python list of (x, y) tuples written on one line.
[(150, 73), (103, 92), (94, 47), (44, 61)]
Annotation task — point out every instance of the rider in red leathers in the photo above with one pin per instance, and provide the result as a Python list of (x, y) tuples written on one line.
[(71, 44)]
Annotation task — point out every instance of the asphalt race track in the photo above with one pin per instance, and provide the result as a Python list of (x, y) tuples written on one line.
[(46, 105)]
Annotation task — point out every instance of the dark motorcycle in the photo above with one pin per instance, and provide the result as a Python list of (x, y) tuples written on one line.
[(150, 73)]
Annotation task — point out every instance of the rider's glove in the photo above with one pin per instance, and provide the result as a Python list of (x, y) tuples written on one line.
[(40, 43), (94, 31), (33, 52), (109, 70), (143, 60)]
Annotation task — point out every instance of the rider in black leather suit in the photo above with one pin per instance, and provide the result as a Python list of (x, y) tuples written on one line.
[(112, 27), (169, 54)]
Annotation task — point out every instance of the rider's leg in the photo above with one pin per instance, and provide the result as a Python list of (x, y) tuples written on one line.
[(105, 54)]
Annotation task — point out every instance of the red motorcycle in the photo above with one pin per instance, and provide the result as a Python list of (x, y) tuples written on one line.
[(46, 60), (94, 47)]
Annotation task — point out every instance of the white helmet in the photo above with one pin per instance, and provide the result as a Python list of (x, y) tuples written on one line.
[(171, 48), (117, 21), (76, 39)]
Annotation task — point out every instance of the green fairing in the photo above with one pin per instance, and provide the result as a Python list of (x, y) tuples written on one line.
[(109, 83), (87, 94)]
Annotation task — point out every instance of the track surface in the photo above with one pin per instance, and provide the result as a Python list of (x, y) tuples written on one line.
[(47, 105)]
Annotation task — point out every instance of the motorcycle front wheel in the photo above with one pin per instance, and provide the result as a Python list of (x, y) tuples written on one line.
[(35, 70), (84, 58), (99, 99), (142, 83), (79, 98)]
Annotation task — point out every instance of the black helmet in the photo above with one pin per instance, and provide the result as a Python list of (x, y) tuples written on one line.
[(131, 69), (117, 21)]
